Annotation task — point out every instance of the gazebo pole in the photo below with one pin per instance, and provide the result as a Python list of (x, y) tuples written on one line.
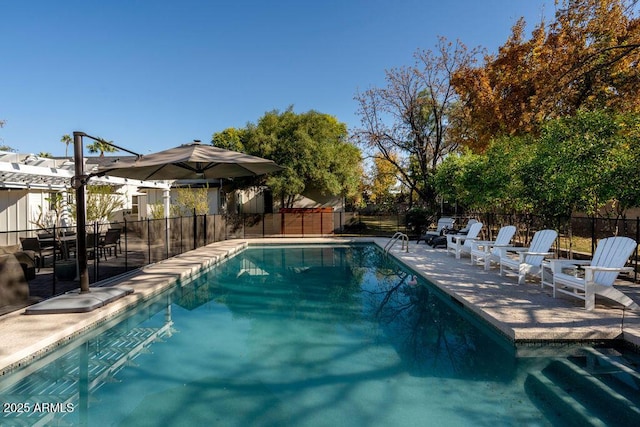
[(166, 195), (79, 183)]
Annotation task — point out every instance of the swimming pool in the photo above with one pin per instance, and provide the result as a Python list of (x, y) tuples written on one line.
[(315, 335)]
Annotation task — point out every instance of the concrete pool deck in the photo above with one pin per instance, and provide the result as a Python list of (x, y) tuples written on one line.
[(520, 312)]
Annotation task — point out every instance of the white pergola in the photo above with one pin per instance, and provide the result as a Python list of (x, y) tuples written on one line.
[(27, 171)]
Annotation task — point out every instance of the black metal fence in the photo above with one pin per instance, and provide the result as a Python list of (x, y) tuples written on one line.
[(152, 240)]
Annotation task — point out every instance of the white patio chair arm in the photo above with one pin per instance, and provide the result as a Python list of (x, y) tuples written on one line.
[(483, 242), (589, 272), (596, 268), (523, 255), (557, 265), (459, 237), (517, 249), (487, 245), (567, 261)]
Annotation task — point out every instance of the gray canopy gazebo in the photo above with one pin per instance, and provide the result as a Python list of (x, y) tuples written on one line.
[(190, 161)]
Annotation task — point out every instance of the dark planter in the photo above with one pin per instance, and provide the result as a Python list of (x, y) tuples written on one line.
[(65, 270)]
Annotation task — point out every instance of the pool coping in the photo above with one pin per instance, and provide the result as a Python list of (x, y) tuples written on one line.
[(523, 313)]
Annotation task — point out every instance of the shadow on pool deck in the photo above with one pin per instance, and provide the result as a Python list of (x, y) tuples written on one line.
[(44, 286)]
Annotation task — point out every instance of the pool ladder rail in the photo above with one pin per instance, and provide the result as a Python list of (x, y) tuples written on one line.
[(394, 239)]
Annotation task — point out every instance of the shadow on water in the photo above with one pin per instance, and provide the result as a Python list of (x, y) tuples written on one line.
[(432, 335), (273, 338)]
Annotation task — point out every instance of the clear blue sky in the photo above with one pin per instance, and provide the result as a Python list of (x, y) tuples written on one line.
[(150, 75)]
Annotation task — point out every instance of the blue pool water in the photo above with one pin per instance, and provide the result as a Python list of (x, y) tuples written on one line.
[(303, 336)]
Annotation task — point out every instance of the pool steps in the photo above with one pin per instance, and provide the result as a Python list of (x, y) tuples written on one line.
[(594, 389), (119, 349)]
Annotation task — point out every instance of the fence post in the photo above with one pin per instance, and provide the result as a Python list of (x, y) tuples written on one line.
[(96, 252), (593, 234), (206, 230), (149, 239), (181, 234), (635, 270), (126, 251), (167, 236), (195, 229)]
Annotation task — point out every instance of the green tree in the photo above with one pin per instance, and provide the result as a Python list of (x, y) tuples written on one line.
[(101, 147), (230, 139), (66, 139), (579, 163), (102, 202), (622, 180), (462, 178), (50, 218), (565, 174), (187, 200), (312, 147), (497, 180)]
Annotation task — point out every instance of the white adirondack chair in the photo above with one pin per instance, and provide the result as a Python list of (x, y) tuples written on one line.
[(529, 260), (461, 243), (468, 225), (487, 250), (442, 223), (600, 273)]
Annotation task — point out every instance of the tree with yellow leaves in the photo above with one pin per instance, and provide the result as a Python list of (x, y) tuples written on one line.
[(586, 59), (382, 181)]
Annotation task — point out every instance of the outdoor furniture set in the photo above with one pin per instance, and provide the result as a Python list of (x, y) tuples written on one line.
[(62, 247), (583, 279)]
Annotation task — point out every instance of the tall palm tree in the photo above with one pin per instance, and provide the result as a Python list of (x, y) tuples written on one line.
[(101, 147), (67, 140)]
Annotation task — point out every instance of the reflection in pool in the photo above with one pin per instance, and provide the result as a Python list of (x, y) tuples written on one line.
[(316, 335)]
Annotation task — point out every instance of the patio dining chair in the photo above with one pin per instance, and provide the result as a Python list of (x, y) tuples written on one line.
[(110, 242), (93, 245), (40, 251)]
